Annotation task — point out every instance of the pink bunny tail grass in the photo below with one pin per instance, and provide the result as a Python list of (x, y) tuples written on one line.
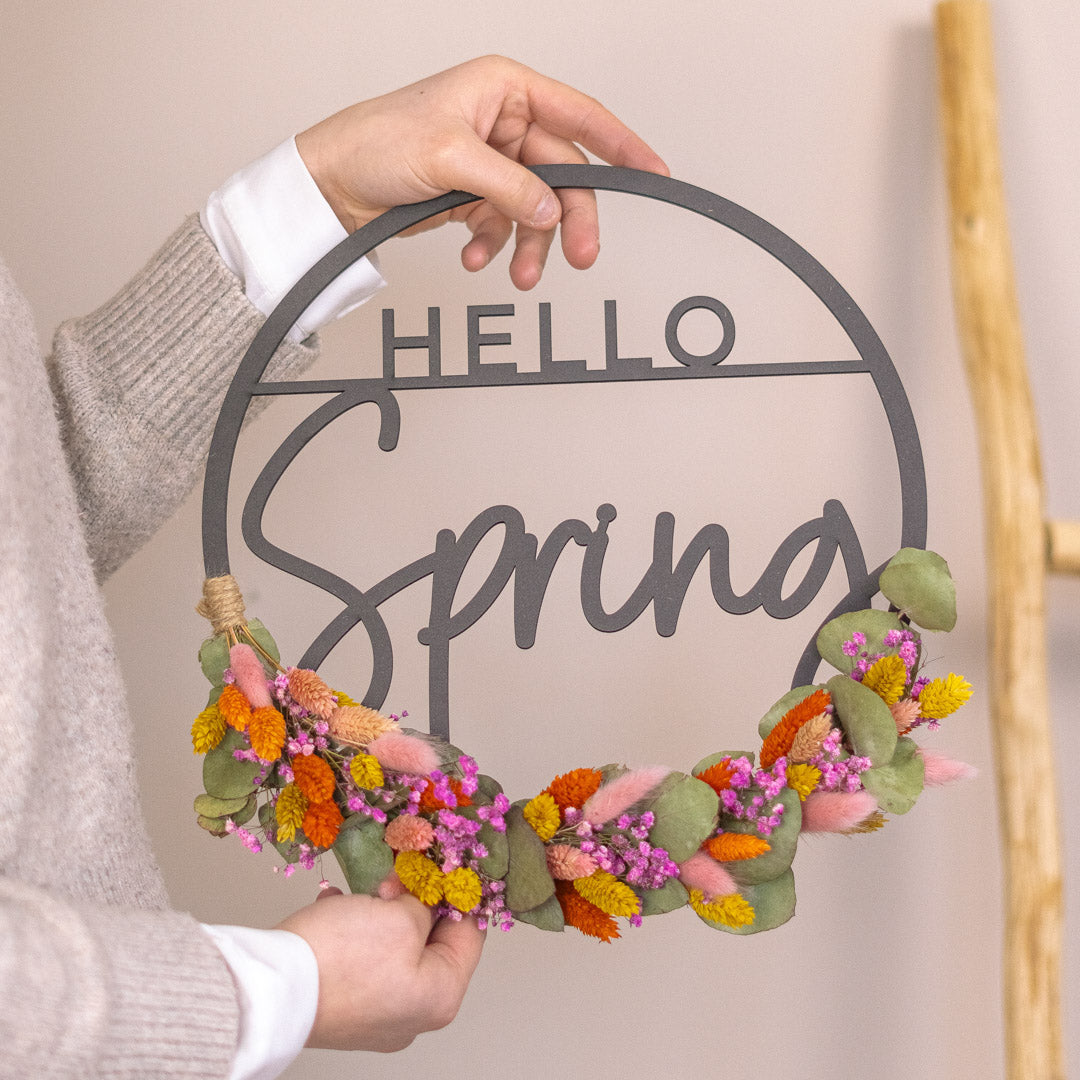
[(397, 752), (836, 811), (621, 793), (391, 888), (250, 675), (702, 871), (944, 770)]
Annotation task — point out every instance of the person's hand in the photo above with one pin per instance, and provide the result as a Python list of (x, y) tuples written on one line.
[(474, 128), (385, 975)]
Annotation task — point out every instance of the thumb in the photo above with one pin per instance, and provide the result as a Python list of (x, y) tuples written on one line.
[(509, 187)]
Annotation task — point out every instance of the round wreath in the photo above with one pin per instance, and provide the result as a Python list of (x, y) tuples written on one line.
[(406, 811)]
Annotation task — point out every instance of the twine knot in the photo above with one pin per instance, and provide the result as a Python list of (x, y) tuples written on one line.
[(222, 604)]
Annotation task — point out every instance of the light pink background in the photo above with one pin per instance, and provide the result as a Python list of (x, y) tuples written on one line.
[(119, 117)]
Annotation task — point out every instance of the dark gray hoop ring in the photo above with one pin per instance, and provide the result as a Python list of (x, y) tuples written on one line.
[(876, 361)]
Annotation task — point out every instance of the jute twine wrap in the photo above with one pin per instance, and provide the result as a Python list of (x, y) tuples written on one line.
[(222, 604)]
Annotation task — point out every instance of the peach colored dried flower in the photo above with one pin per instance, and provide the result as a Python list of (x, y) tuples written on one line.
[(905, 713), (778, 742), (311, 693), (566, 863), (357, 725), (809, 738), (409, 832)]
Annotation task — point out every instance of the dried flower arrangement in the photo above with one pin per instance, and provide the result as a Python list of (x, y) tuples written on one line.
[(404, 811)]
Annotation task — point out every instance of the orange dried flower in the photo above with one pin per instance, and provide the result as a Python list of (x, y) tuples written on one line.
[(432, 803), (584, 916), (322, 822), (778, 742), (735, 847), (574, 788), (235, 708), (311, 693), (718, 776), (267, 732), (313, 777)]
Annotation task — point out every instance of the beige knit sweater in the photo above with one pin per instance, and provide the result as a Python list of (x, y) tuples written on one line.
[(98, 978)]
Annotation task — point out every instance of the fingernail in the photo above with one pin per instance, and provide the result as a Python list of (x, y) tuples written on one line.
[(545, 211)]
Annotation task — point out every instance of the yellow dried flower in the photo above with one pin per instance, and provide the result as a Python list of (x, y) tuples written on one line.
[(542, 813), (732, 910), (343, 699), (870, 824), (608, 893), (887, 677), (942, 697), (366, 771), (208, 729), (291, 807), (803, 778), (420, 876), (462, 889)]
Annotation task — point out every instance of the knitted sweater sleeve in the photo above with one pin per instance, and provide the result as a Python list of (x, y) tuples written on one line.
[(107, 992), (139, 383)]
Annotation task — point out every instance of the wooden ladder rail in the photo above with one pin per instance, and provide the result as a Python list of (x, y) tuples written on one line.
[(1021, 545)]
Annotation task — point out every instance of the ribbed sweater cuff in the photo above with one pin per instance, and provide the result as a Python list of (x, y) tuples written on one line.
[(176, 370), (173, 1006)]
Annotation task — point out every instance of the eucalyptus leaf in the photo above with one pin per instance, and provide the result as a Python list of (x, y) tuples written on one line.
[(866, 719), (685, 815), (897, 785), (782, 843), (223, 776), (669, 897), (773, 903), (709, 761), (264, 639), (545, 916), (246, 812), (873, 623), (208, 806), (497, 860), (364, 856), (784, 706), (215, 826), (214, 658), (487, 788), (528, 883), (918, 582)]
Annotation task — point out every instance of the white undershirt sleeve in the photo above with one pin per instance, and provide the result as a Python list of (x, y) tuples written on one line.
[(277, 980), (270, 224)]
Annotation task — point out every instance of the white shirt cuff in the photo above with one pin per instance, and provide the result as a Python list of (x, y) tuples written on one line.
[(277, 980), (271, 224)]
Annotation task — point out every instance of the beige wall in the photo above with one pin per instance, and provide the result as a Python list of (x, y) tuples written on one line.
[(120, 116)]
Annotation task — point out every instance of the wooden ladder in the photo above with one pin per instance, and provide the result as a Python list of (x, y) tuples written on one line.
[(1022, 546)]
